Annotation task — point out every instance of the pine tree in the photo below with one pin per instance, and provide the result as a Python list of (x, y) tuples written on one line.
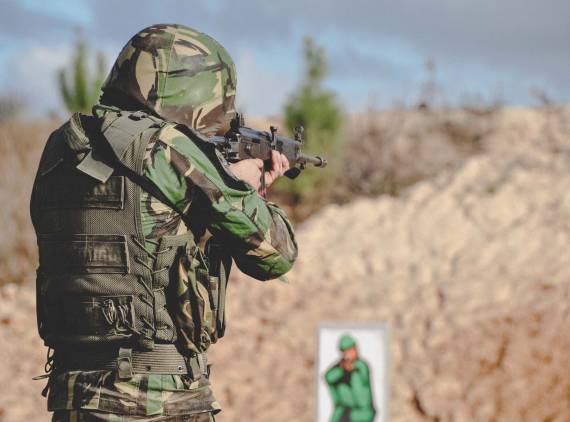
[(316, 109), (78, 90)]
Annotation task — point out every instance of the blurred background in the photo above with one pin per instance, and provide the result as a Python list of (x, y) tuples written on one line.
[(443, 212)]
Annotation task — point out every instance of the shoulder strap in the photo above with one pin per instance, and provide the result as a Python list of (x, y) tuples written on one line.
[(122, 129), (144, 182), (113, 136), (149, 186)]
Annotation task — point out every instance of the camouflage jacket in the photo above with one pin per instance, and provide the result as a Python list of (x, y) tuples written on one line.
[(255, 232)]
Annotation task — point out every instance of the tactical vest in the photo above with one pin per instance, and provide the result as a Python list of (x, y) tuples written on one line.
[(96, 282)]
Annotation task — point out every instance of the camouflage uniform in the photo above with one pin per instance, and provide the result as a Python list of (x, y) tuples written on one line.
[(186, 79)]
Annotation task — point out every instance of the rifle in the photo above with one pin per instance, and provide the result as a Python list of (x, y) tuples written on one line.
[(241, 142)]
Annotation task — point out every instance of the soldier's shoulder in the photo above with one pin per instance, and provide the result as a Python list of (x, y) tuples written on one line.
[(54, 148), (186, 148), (179, 135), (192, 144), (170, 132)]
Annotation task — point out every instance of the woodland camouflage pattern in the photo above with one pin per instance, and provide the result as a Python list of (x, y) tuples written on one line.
[(179, 73), (90, 416), (257, 233), (144, 397), (183, 76)]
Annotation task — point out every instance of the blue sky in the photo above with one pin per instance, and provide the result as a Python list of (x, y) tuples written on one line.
[(483, 50)]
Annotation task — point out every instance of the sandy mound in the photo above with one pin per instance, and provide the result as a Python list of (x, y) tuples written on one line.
[(469, 269)]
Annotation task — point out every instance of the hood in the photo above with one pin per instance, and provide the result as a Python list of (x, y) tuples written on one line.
[(176, 72)]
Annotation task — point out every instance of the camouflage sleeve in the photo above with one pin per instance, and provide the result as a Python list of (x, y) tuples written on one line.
[(195, 177)]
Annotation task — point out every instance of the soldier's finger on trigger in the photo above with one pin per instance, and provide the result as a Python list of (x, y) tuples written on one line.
[(279, 163), (275, 163), (284, 162)]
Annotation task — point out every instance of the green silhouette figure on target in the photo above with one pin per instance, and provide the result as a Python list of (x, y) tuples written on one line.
[(349, 385)]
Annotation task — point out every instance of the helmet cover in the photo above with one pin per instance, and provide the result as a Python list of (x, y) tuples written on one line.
[(178, 73)]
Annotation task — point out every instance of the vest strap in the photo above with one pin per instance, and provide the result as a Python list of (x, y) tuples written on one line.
[(118, 136), (203, 363), (198, 366), (121, 131)]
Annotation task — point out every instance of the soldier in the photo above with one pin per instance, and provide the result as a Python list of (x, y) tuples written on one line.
[(137, 219), (349, 385)]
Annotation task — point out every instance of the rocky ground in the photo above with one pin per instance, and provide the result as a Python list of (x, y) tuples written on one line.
[(469, 268)]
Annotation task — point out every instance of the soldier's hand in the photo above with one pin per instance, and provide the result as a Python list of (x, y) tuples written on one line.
[(279, 165), (250, 170)]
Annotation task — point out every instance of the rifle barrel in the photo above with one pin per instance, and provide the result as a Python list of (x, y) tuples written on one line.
[(317, 160)]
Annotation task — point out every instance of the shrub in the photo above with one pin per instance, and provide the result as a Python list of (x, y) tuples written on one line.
[(83, 92), (316, 109)]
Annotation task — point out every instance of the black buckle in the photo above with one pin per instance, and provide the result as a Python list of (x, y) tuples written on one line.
[(125, 364), (198, 366)]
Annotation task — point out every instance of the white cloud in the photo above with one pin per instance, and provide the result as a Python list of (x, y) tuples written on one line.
[(33, 74)]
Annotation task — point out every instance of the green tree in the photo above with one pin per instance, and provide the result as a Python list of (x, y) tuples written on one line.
[(79, 91), (315, 108)]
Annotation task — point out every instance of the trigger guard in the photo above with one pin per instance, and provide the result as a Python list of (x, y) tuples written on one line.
[(293, 172)]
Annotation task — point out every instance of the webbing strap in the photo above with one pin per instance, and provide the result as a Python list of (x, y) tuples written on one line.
[(118, 136), (121, 131), (203, 363), (162, 359), (152, 189)]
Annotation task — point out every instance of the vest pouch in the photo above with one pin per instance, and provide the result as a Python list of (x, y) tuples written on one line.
[(219, 266), (195, 316), (83, 254), (214, 283), (97, 319), (48, 309), (205, 296)]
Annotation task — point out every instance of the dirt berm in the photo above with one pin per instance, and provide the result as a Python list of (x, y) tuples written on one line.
[(470, 269)]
